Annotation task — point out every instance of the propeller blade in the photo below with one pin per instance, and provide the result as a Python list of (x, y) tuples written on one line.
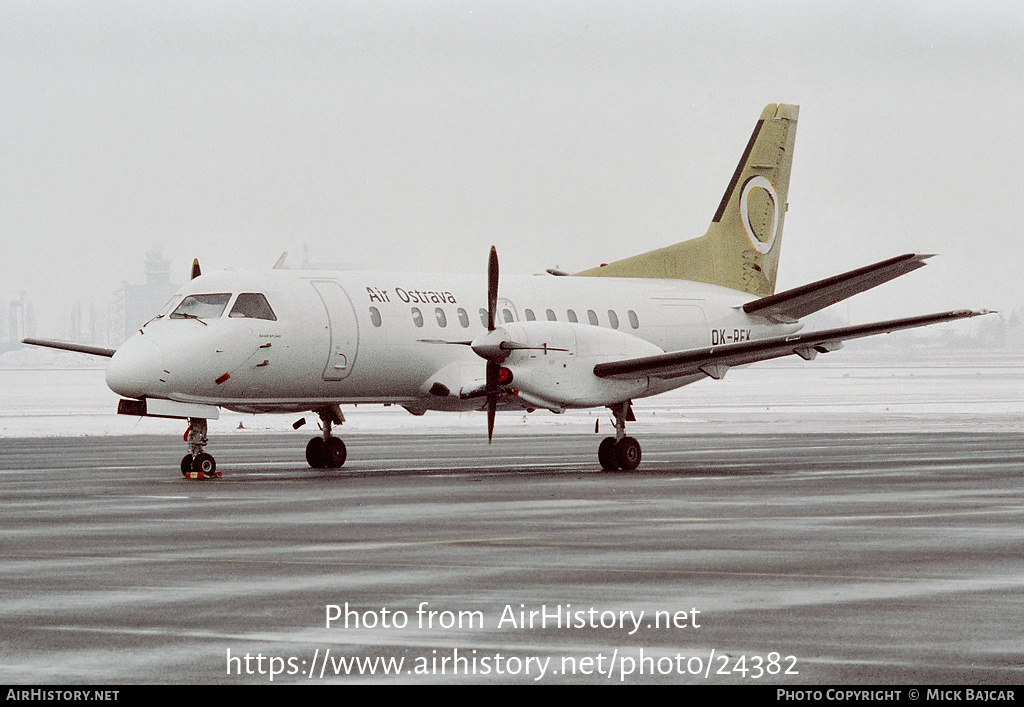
[(492, 407), (513, 346), (493, 367), (196, 272), (493, 372), (492, 288), (443, 341)]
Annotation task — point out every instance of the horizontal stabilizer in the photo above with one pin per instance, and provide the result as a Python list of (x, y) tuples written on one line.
[(715, 360), (791, 305), (69, 346)]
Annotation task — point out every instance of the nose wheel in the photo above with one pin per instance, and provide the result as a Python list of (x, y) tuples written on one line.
[(203, 464), (620, 451), (197, 464)]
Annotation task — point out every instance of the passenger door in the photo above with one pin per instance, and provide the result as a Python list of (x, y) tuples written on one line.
[(344, 329)]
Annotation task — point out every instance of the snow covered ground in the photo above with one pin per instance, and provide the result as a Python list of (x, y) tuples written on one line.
[(850, 390)]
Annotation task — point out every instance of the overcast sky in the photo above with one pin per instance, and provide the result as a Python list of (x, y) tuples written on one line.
[(413, 135)]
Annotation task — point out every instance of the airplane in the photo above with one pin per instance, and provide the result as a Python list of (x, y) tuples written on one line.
[(311, 341)]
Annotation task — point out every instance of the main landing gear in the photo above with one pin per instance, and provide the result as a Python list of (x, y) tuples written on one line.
[(327, 452), (620, 451), (197, 464)]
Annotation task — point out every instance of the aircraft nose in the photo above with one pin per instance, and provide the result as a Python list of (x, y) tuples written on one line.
[(135, 370)]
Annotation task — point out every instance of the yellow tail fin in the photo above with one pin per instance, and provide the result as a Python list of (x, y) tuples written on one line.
[(741, 247)]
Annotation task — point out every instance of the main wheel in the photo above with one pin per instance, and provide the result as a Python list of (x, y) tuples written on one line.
[(606, 454), (186, 464), (204, 463), (628, 453), (316, 453), (334, 452)]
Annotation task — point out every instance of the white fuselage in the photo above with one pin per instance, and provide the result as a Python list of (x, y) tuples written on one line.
[(371, 337)]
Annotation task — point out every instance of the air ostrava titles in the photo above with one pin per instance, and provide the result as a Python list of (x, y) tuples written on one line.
[(377, 294), (557, 616)]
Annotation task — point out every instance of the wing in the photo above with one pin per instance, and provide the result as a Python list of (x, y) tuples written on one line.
[(69, 346), (791, 305), (714, 361)]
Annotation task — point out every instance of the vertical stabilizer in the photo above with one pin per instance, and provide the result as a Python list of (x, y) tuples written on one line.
[(741, 247)]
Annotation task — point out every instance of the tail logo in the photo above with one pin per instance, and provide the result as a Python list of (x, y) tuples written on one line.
[(759, 213)]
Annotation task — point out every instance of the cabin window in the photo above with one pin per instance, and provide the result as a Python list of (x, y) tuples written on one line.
[(633, 321), (483, 317), (507, 315), (375, 316), (613, 319), (550, 314), (417, 316), (442, 318), (571, 314), (201, 307), (592, 316), (463, 318), (530, 316), (252, 305)]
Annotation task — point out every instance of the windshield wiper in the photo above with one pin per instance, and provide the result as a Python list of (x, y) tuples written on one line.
[(186, 315)]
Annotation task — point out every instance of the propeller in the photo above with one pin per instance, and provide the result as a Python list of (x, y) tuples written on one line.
[(196, 272), (494, 347)]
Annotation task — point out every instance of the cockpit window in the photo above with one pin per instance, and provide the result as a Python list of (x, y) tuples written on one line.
[(252, 305), (201, 307), (168, 307)]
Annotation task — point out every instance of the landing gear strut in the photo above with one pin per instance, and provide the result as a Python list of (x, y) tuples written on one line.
[(197, 462), (620, 451), (327, 452)]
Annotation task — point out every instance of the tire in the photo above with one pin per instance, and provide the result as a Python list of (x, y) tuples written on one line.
[(186, 464), (606, 454), (316, 453), (204, 463), (628, 453), (334, 453)]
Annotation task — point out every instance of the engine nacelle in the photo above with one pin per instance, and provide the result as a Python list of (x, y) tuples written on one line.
[(558, 367)]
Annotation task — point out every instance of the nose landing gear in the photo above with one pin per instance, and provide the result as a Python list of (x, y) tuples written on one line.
[(620, 451), (197, 464), (327, 452)]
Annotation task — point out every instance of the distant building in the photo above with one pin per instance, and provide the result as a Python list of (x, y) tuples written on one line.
[(21, 323), (137, 304)]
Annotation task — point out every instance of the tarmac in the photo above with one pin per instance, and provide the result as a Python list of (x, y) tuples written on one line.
[(754, 557)]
